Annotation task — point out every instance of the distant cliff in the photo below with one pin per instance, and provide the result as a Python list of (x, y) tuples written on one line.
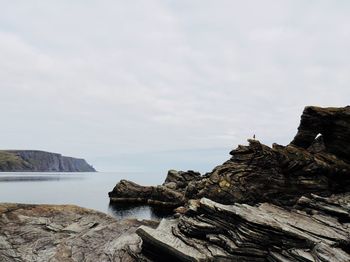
[(40, 161)]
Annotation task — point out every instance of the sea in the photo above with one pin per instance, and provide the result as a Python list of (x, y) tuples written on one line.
[(89, 190)]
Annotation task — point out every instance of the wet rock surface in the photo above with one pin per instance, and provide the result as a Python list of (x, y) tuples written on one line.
[(66, 233)]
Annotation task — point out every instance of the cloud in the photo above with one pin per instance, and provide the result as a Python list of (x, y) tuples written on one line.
[(102, 79)]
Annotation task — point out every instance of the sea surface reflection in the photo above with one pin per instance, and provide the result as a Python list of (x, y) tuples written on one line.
[(88, 190)]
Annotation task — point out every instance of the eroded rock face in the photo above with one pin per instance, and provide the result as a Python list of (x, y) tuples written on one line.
[(317, 229), (332, 123), (257, 173), (66, 233)]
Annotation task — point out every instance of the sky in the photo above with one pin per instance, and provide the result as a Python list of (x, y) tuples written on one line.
[(151, 85)]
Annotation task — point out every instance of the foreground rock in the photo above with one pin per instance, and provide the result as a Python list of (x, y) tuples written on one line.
[(317, 229), (317, 161), (66, 233)]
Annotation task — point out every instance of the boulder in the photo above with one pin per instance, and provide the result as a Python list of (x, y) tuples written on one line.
[(130, 192)]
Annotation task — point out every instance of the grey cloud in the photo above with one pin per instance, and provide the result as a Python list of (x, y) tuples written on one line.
[(100, 79)]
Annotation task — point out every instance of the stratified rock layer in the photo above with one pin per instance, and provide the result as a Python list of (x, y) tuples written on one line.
[(317, 229), (279, 203), (59, 233)]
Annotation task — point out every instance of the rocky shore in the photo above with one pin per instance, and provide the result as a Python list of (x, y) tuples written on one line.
[(277, 204)]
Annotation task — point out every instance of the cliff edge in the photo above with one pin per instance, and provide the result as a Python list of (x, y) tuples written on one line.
[(40, 161)]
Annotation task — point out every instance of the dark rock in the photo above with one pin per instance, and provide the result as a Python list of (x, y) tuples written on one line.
[(179, 179), (332, 123), (66, 233), (170, 194), (257, 173), (127, 191), (40, 161)]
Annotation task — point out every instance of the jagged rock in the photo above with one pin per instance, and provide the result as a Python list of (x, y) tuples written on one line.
[(257, 173), (210, 231), (66, 233), (333, 123)]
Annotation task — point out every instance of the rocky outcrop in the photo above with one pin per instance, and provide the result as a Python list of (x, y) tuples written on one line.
[(332, 123), (40, 161), (280, 175), (66, 233), (257, 173), (279, 203), (170, 194), (316, 229)]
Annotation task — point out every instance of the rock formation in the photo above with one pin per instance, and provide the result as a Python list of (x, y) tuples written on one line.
[(170, 194), (258, 173), (273, 204), (40, 161), (317, 229), (279, 203), (332, 123), (59, 233)]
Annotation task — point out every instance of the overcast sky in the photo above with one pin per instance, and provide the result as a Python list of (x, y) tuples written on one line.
[(153, 85)]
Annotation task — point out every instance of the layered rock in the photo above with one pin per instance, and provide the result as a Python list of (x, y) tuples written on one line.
[(40, 161), (317, 161), (255, 173), (279, 203), (333, 123), (317, 229), (66, 233)]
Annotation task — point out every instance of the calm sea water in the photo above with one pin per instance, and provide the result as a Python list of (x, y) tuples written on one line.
[(88, 190)]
